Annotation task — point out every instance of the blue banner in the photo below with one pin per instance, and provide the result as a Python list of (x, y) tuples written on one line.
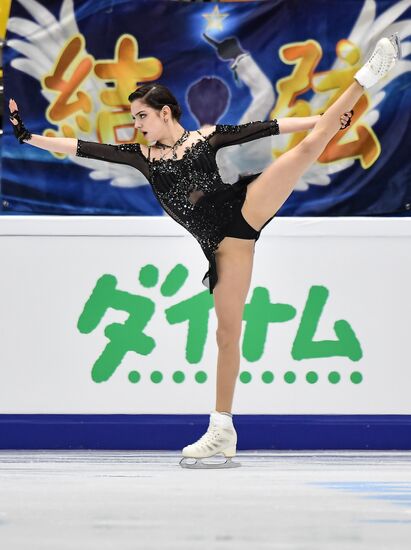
[(71, 65)]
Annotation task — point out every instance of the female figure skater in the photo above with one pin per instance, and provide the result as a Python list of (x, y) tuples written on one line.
[(225, 219)]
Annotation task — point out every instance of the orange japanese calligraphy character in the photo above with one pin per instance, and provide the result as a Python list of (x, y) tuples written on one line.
[(66, 85), (306, 56), (126, 71)]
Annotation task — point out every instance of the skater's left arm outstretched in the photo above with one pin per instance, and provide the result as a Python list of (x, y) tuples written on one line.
[(300, 124), (234, 134)]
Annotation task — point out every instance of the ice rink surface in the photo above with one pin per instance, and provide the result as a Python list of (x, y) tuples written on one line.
[(132, 499)]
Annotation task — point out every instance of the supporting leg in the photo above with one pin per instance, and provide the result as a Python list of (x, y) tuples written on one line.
[(234, 259)]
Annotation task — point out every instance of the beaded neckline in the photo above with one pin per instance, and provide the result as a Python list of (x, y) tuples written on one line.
[(180, 141), (186, 151)]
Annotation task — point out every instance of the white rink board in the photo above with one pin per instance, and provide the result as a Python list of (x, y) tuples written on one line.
[(50, 266)]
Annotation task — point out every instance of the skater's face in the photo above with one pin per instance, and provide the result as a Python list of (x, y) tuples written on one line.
[(151, 122)]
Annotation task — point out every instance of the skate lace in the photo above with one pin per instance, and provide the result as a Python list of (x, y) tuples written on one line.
[(212, 434)]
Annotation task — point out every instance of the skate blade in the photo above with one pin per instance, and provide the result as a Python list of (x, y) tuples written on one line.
[(396, 42), (199, 464)]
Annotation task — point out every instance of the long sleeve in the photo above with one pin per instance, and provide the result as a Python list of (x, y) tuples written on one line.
[(126, 153), (227, 134)]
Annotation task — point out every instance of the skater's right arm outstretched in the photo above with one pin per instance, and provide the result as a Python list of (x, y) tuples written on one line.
[(57, 144), (73, 146)]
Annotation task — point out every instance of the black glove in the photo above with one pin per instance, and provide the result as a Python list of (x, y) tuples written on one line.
[(20, 131), (348, 123), (227, 49)]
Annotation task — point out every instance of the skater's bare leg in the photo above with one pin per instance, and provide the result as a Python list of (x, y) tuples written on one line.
[(234, 259), (268, 192), (330, 122)]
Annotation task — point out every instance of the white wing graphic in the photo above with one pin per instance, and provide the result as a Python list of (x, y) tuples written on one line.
[(255, 156), (45, 37), (365, 33)]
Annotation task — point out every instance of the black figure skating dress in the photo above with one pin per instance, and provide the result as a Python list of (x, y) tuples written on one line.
[(190, 188)]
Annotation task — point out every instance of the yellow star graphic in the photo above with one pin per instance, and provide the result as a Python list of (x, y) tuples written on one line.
[(214, 19)]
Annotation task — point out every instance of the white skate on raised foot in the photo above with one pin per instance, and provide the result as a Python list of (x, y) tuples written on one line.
[(220, 438), (386, 53)]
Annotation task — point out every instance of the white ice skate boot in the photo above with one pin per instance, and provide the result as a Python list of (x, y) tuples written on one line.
[(385, 55), (220, 437)]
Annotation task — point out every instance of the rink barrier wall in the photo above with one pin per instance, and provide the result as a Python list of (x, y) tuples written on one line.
[(49, 399), (173, 432)]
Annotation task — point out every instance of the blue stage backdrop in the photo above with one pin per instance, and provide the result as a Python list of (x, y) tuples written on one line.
[(71, 65)]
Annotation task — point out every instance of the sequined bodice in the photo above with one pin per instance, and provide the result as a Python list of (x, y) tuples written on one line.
[(190, 188), (180, 186)]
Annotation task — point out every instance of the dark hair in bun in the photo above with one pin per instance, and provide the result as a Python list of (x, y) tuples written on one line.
[(156, 96)]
